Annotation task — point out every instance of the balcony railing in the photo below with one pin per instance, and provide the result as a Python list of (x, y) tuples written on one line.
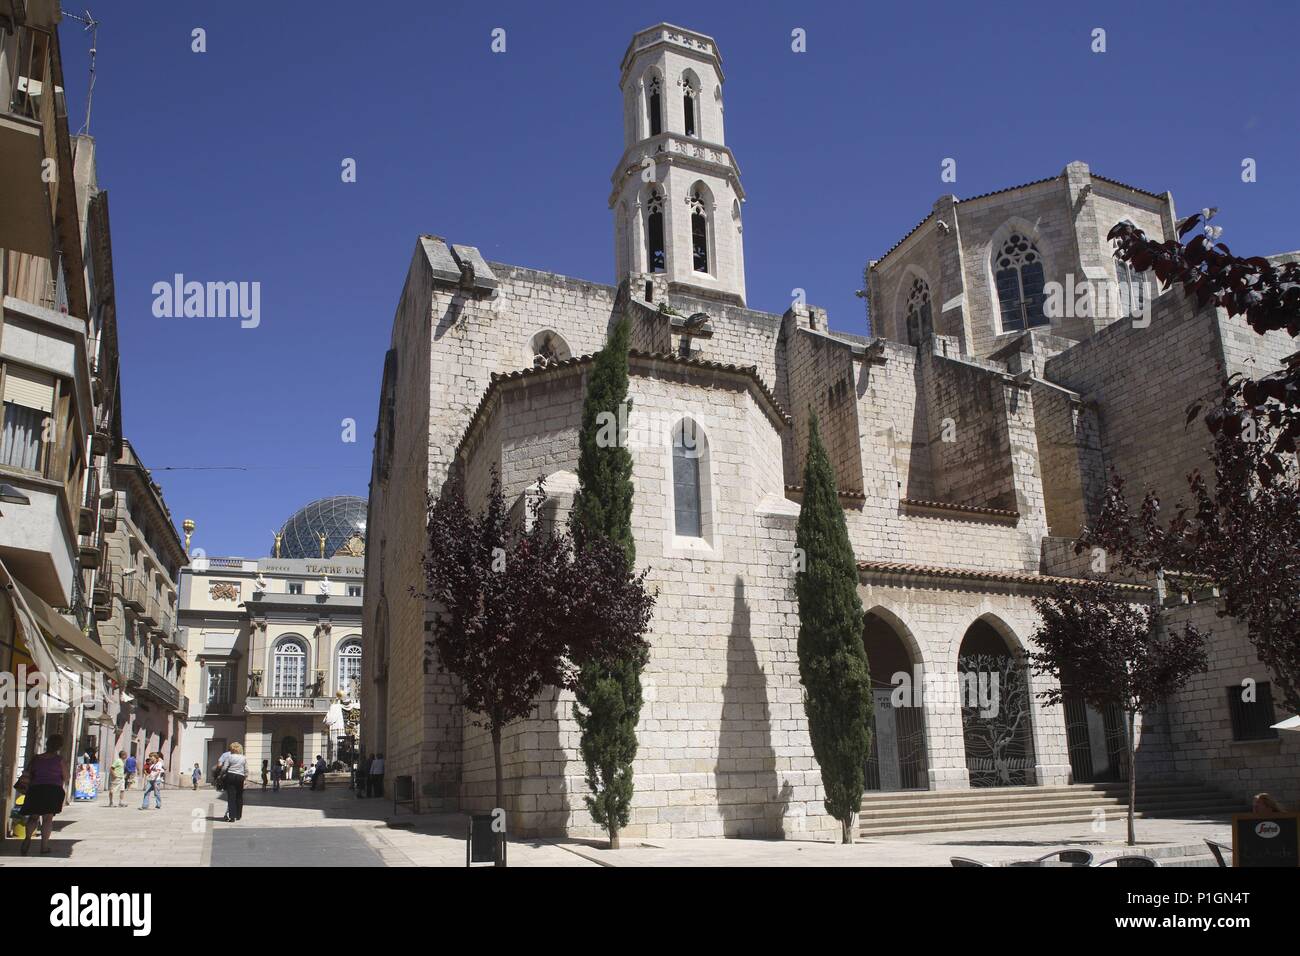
[(88, 519), (146, 678), (149, 612), (283, 705), (130, 588)]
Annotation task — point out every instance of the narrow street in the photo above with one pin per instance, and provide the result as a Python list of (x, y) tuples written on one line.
[(299, 828), (293, 827)]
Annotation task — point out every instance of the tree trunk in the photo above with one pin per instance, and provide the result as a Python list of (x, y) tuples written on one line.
[(1131, 729), (846, 829), (501, 786), (613, 836)]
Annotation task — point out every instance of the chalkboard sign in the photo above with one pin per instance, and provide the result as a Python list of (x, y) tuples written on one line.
[(484, 844), (1266, 839)]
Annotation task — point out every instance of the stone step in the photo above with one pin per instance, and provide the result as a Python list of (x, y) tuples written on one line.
[(885, 814), (997, 822), (982, 821), (1167, 805), (1013, 793), (1048, 814), (1144, 799)]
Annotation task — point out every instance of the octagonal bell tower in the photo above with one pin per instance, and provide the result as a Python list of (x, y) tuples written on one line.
[(676, 193)]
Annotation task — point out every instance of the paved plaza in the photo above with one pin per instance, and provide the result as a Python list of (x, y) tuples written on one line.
[(297, 828)]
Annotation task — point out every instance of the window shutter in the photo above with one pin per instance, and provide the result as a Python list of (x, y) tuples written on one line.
[(29, 389)]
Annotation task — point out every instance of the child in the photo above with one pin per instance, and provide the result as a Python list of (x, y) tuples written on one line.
[(196, 775), (16, 816)]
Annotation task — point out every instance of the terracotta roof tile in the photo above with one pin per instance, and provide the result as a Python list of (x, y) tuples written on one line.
[(967, 574)]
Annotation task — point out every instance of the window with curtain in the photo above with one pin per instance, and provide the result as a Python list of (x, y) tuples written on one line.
[(28, 403), (289, 678), (22, 436), (1018, 274)]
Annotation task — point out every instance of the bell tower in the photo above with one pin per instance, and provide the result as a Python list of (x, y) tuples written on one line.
[(676, 193)]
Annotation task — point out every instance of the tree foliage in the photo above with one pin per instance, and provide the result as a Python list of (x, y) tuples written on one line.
[(1100, 645), (520, 610), (1241, 529), (832, 658), (608, 691)]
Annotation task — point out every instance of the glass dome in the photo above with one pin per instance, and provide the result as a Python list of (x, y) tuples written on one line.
[(339, 518)]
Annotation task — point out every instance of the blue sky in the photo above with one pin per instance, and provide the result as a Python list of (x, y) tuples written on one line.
[(225, 166)]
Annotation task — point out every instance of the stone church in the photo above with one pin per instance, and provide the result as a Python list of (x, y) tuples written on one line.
[(971, 436)]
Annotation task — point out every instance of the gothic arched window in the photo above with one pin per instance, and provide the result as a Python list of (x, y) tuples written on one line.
[(654, 100), (1018, 273), (697, 201), (919, 322), (349, 667), (691, 103), (654, 232), (1132, 289), (289, 669), (548, 347), (689, 449)]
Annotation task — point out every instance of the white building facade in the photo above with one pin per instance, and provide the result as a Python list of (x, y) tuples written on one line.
[(971, 436)]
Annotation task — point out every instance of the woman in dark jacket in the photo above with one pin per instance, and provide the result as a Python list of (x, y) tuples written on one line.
[(45, 793)]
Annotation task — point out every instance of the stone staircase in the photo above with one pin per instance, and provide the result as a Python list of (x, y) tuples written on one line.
[(927, 811)]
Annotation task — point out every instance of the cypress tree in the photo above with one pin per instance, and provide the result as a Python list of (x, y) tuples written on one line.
[(832, 658), (609, 691)]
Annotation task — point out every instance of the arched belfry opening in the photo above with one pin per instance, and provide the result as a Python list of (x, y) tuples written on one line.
[(898, 755), (996, 707), (676, 181)]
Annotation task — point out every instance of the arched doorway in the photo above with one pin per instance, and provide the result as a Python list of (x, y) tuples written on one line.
[(897, 759), (993, 681), (1095, 738)]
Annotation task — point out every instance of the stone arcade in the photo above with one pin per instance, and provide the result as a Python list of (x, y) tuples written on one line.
[(971, 437)]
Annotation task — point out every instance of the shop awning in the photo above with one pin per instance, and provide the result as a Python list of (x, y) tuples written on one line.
[(61, 670), (66, 633)]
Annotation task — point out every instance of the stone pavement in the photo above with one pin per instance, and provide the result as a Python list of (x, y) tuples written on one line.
[(332, 828)]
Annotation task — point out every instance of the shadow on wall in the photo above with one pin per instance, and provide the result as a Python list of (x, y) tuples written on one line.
[(751, 797), (552, 803)]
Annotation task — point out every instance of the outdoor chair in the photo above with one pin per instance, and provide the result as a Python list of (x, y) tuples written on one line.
[(1075, 857), (1130, 861), (1217, 849)]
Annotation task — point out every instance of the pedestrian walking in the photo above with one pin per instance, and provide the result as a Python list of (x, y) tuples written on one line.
[(132, 768), (266, 772), (154, 770), (45, 792), (318, 778), (288, 767), (363, 776), (117, 780), (196, 775), (375, 777), (277, 771), (234, 770)]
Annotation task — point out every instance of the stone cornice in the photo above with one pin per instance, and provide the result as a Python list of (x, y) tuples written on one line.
[(674, 149), (687, 42)]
